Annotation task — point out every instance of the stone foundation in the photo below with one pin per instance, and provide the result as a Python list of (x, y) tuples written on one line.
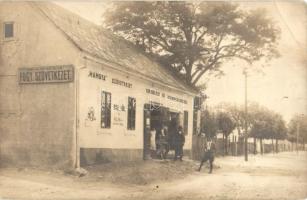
[(90, 156)]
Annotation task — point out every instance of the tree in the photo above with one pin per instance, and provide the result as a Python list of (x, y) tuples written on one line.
[(226, 125), (261, 127), (208, 124), (280, 130), (298, 128), (193, 39), (266, 124), (237, 113)]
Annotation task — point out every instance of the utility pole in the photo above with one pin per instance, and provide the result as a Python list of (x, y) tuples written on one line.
[(245, 136)]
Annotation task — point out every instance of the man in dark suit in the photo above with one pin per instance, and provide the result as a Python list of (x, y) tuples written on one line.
[(178, 143)]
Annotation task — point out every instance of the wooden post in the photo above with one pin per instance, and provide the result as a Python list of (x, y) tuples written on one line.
[(261, 146)]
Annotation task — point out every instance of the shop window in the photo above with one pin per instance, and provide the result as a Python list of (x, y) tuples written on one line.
[(8, 30), (131, 113), (185, 122), (105, 109)]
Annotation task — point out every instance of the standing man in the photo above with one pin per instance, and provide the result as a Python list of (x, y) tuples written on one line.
[(208, 155), (153, 149), (179, 140)]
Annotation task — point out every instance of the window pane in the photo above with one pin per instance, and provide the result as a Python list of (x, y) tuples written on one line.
[(105, 109), (131, 113), (8, 30), (108, 110)]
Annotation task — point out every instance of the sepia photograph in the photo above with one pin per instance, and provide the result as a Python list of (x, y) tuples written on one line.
[(153, 100)]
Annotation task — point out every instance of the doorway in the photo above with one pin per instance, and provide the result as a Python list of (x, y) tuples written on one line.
[(157, 117)]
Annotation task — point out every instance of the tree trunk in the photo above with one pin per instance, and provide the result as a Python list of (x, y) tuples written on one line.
[(188, 76), (261, 146), (226, 145), (255, 145), (236, 146), (223, 144), (272, 145), (229, 147), (276, 146), (232, 147)]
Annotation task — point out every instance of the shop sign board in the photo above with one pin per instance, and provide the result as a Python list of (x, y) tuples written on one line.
[(50, 74)]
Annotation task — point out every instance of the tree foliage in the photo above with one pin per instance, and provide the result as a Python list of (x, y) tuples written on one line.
[(267, 124), (208, 124), (195, 38), (237, 114), (261, 122), (225, 123), (298, 122)]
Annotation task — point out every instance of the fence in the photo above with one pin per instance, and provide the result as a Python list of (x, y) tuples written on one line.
[(237, 148)]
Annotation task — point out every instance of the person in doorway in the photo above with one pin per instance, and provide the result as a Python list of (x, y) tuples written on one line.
[(162, 142), (167, 138), (157, 137), (178, 143), (208, 155), (153, 141)]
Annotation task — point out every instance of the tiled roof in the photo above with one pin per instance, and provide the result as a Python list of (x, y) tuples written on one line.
[(105, 45)]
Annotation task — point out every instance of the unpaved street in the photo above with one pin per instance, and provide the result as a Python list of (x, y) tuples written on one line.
[(278, 176)]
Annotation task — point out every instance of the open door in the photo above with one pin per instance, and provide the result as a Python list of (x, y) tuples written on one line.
[(146, 137)]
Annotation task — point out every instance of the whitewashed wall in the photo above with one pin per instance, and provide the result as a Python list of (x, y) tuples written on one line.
[(118, 137)]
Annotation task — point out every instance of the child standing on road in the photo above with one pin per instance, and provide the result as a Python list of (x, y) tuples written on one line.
[(208, 155)]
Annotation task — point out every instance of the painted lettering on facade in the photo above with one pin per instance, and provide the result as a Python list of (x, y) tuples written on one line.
[(96, 75), (119, 107), (121, 83), (103, 77), (153, 92), (50, 74), (119, 114), (177, 99), (157, 93)]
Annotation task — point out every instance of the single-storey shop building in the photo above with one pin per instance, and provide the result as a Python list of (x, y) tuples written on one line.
[(74, 93)]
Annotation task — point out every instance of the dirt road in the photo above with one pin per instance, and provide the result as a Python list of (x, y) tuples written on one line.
[(279, 176)]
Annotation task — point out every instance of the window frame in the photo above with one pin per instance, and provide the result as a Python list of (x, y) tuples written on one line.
[(13, 31), (131, 114), (105, 115)]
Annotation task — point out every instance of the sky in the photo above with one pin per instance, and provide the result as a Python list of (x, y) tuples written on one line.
[(281, 86)]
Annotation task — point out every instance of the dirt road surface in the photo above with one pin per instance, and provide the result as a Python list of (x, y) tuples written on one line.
[(272, 176)]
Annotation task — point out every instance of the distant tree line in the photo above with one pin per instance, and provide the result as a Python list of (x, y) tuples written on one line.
[(262, 123)]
